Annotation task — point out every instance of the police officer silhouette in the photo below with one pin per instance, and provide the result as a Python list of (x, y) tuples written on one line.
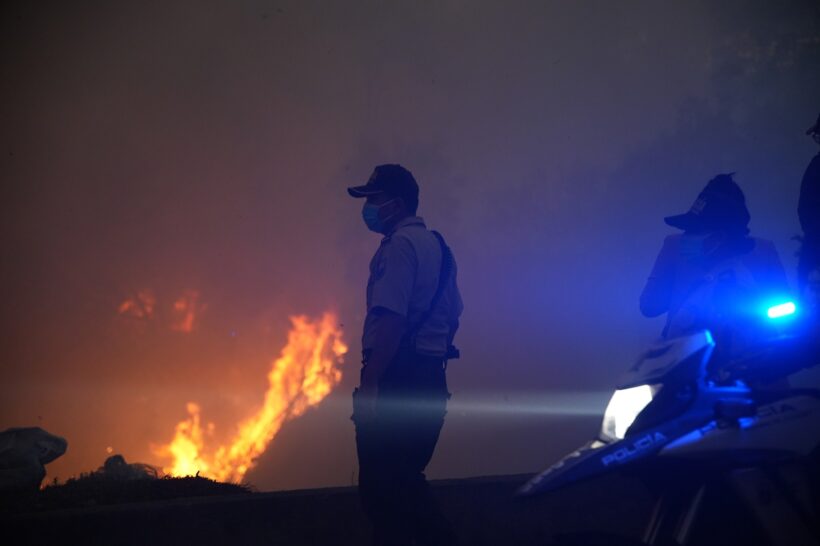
[(413, 307)]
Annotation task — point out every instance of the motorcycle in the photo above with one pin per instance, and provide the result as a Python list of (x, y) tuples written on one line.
[(697, 427)]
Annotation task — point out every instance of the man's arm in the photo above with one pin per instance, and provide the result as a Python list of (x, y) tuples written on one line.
[(657, 293), (386, 322), (388, 330)]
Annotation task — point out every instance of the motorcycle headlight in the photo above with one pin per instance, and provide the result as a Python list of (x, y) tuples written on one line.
[(623, 408)]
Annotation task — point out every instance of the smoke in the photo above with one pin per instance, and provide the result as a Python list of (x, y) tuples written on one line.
[(205, 148)]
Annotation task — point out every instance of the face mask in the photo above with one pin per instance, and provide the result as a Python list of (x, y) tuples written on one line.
[(371, 214)]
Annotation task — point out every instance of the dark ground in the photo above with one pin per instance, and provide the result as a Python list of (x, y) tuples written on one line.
[(482, 510)]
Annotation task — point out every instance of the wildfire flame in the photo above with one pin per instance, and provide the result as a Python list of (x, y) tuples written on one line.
[(303, 375)]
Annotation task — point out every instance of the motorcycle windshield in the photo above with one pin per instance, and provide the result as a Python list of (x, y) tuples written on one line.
[(668, 355)]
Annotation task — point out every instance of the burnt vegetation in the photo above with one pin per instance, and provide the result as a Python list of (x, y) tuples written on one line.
[(93, 489)]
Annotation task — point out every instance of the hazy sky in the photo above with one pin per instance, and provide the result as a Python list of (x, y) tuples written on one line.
[(206, 146)]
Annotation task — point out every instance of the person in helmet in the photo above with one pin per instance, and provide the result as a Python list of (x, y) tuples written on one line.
[(712, 261)]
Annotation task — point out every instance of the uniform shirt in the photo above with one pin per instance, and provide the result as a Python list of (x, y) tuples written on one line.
[(674, 282), (404, 277)]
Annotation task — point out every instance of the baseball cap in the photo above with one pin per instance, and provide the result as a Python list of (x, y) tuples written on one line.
[(391, 179), (721, 205)]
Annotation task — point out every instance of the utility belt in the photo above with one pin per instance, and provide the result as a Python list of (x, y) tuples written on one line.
[(405, 353), (413, 375)]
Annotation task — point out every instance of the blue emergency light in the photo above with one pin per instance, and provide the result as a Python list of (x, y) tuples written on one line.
[(782, 310)]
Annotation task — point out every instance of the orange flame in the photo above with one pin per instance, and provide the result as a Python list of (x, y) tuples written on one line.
[(303, 375)]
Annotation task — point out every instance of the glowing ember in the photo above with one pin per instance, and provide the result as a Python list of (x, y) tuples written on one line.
[(182, 315), (185, 310), (140, 306), (302, 376)]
